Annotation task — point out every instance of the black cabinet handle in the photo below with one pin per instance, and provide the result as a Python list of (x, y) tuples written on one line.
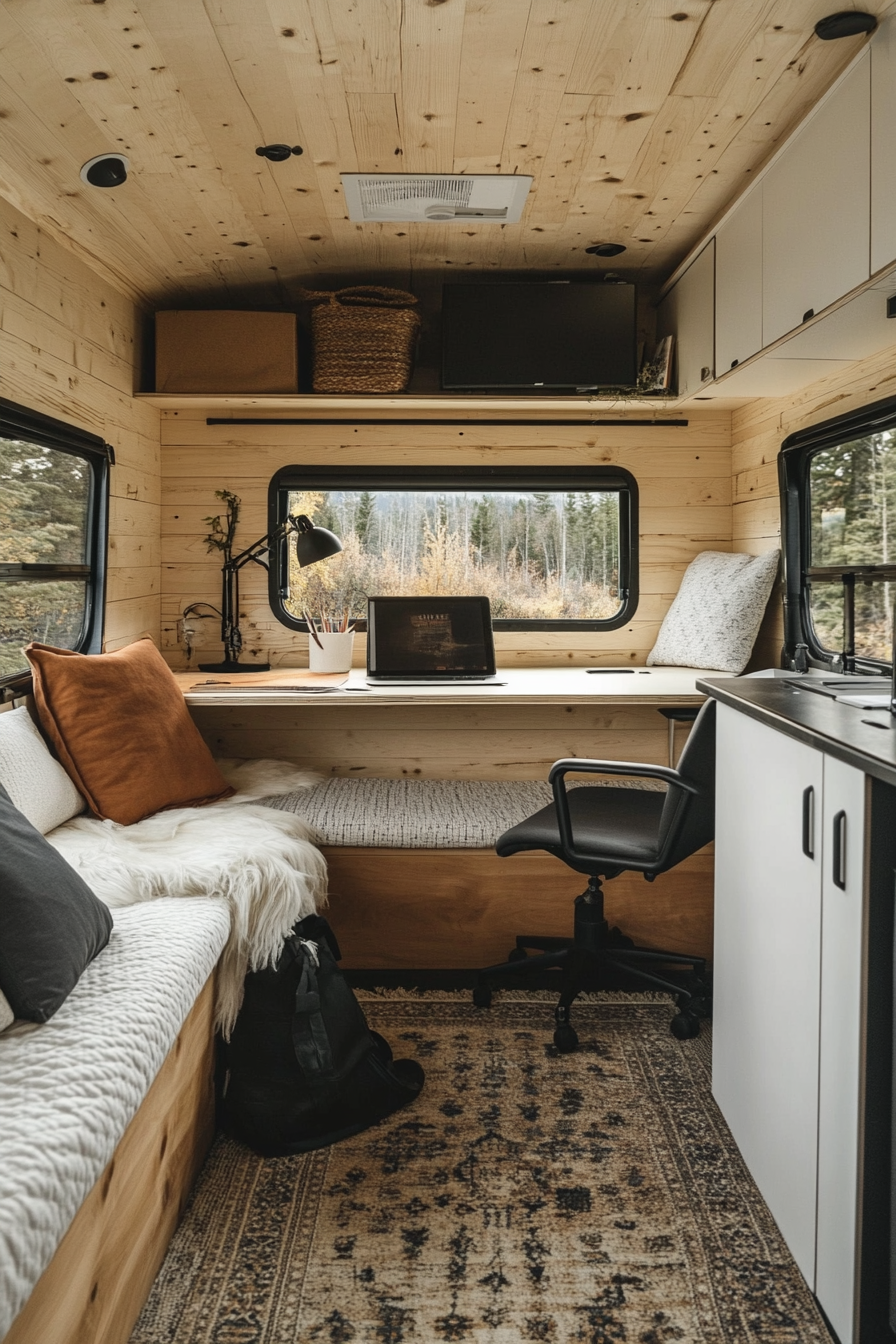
[(839, 873), (809, 822)]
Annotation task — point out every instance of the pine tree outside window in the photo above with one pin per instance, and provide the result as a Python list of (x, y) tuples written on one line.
[(53, 484), (839, 503), (550, 548)]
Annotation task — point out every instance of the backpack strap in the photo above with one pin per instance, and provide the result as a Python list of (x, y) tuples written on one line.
[(309, 1034)]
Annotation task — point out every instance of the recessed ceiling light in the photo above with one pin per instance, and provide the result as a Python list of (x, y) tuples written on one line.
[(606, 249), (848, 23), (105, 170)]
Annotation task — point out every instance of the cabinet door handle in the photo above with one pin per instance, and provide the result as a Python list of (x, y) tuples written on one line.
[(809, 822), (839, 873)]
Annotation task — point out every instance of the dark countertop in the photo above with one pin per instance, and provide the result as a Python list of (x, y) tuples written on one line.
[(865, 738)]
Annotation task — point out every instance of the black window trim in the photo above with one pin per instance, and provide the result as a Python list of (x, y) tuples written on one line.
[(794, 459), (18, 422), (595, 479)]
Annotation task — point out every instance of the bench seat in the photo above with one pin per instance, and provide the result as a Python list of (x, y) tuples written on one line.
[(415, 883), (419, 813), (72, 1086)]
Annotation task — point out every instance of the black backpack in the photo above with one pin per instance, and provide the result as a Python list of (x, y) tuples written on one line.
[(304, 1067)]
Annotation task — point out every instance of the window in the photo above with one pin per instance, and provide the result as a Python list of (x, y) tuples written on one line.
[(550, 548), (839, 503), (53, 485)]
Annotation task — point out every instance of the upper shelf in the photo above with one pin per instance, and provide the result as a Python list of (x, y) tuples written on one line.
[(410, 406)]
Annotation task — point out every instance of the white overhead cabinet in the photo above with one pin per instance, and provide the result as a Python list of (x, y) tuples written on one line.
[(738, 300), (811, 231), (883, 146), (816, 216), (787, 1013), (688, 313)]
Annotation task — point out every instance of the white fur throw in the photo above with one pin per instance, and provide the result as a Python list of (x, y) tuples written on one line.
[(260, 860)]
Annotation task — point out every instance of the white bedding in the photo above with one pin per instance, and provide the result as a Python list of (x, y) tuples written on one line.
[(69, 1087)]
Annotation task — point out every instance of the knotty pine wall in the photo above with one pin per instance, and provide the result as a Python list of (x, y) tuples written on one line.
[(757, 432), (684, 477), (68, 348)]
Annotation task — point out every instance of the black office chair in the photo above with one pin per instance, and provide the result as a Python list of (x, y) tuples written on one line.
[(603, 832)]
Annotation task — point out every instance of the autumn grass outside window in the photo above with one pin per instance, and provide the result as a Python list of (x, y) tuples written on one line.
[(53, 489), (838, 488), (552, 548)]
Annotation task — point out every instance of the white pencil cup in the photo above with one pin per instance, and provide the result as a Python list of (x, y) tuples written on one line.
[(336, 654)]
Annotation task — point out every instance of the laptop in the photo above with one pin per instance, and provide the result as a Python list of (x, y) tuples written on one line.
[(423, 640)]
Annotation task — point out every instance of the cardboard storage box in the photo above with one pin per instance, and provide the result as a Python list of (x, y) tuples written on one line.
[(226, 352)]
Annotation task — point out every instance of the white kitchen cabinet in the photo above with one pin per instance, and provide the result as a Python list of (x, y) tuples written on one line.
[(688, 313), (738, 293), (816, 214), (839, 1082), (790, 879), (766, 966)]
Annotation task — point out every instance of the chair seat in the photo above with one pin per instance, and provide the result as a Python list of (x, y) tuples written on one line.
[(615, 824)]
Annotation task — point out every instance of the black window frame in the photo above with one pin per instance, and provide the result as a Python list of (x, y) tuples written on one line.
[(794, 461), (18, 422), (595, 479)]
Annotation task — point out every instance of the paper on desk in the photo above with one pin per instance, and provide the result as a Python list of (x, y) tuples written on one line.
[(298, 680)]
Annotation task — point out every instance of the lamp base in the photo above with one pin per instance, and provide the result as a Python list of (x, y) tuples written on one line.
[(234, 667)]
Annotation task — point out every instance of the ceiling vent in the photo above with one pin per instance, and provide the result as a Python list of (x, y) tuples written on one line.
[(435, 198)]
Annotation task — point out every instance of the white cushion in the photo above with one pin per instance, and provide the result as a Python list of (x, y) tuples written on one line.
[(7, 1016), (422, 813), (34, 780), (716, 615)]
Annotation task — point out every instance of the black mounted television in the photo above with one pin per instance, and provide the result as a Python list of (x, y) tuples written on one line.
[(530, 335)]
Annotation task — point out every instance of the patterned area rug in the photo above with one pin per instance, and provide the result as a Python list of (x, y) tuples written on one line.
[(594, 1198)]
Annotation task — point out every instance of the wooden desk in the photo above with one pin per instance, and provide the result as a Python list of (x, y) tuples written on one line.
[(510, 731), (516, 686), (444, 908)]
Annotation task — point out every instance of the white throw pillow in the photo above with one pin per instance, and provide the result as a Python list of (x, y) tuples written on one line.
[(7, 1016), (34, 780), (716, 615)]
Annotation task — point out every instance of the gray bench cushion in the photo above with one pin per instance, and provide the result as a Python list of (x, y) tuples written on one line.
[(418, 813)]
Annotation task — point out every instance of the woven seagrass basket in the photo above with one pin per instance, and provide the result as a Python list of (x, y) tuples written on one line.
[(364, 338)]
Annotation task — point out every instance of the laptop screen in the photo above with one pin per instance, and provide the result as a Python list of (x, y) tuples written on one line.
[(429, 637)]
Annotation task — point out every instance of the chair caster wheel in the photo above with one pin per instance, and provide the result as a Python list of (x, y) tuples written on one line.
[(482, 996), (517, 954), (684, 1026), (566, 1039), (700, 1007)]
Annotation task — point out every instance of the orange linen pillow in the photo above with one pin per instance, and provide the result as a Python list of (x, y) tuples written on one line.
[(121, 728)]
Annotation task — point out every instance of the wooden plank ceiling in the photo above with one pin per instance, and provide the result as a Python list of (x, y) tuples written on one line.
[(639, 120)]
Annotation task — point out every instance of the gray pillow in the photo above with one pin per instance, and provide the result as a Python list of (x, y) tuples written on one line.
[(716, 615), (51, 924)]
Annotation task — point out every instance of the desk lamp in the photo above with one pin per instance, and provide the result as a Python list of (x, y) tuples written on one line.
[(311, 544)]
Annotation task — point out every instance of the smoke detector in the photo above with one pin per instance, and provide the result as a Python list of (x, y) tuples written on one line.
[(435, 198)]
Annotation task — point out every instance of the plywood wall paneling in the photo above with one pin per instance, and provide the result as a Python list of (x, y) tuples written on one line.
[(493, 36), (705, 430), (68, 344), (455, 742), (463, 908), (367, 39), (282, 205), (579, 93), (684, 478)]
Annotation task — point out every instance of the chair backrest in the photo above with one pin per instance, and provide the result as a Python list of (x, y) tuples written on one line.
[(689, 819)]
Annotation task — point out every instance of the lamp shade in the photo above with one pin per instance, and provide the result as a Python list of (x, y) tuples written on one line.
[(314, 543)]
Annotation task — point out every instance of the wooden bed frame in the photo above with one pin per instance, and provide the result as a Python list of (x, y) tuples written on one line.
[(95, 1286)]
